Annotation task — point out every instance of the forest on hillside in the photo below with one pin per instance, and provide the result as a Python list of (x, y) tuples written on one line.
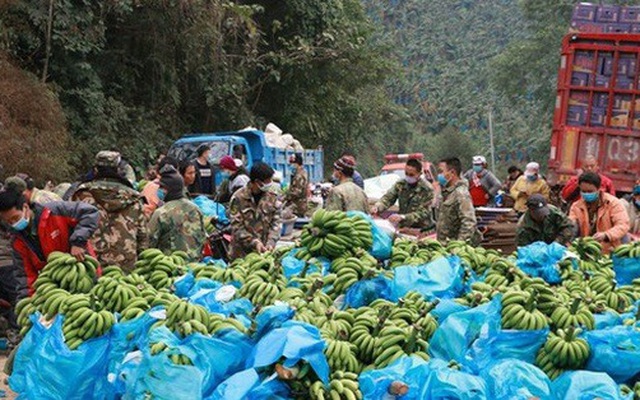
[(373, 76)]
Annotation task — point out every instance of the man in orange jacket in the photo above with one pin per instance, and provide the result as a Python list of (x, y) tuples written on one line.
[(599, 214)]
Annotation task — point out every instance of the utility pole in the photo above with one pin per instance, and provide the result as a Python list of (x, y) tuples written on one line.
[(493, 151)]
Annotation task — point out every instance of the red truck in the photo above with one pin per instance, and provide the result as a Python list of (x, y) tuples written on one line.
[(597, 108)]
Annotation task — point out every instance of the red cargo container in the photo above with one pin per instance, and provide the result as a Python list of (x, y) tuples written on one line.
[(598, 107)]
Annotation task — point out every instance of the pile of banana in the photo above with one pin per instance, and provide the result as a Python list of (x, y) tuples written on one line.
[(343, 385), (115, 294), (332, 233), (160, 270), (587, 248), (628, 250), (563, 350), (519, 312), (235, 273), (264, 281), (64, 271), (83, 321)]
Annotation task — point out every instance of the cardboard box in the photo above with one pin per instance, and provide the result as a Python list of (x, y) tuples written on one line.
[(586, 27), (601, 81), (605, 64), (629, 15), (623, 82), (617, 28), (584, 12), (580, 78), (619, 119), (627, 65), (608, 13), (601, 100), (583, 61), (579, 98), (577, 115), (622, 102), (598, 115)]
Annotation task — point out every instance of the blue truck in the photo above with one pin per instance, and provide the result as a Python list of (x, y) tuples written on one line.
[(253, 144)]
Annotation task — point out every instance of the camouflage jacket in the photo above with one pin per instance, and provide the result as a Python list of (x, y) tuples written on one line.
[(414, 201), (178, 225), (347, 196), (253, 223), (557, 227), (122, 228), (297, 193), (456, 216), (41, 196)]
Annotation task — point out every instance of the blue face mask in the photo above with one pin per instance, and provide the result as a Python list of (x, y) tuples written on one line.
[(589, 197), (637, 203), (636, 189), (477, 168), (225, 175), (21, 224), (532, 178), (161, 194), (442, 180)]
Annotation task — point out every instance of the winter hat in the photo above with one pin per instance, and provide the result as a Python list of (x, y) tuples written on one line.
[(16, 184), (227, 162), (172, 182), (108, 159)]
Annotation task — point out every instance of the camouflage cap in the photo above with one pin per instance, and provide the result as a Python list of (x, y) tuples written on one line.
[(16, 184), (108, 159)]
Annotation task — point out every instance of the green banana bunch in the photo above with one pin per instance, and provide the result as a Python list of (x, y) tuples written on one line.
[(83, 323), (186, 318), (364, 335), (566, 350), (340, 352), (218, 322), (263, 287), (545, 363), (363, 236), (348, 270), (503, 274), (24, 309), (628, 250), (545, 297), (577, 314), (64, 271), (587, 248), (519, 311), (176, 358), (335, 321), (134, 309), (331, 234), (160, 270), (342, 386), (395, 342)]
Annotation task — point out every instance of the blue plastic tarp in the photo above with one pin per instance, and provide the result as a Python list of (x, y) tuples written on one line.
[(444, 383), (493, 345), (411, 371), (585, 385), (512, 379), (291, 266), (295, 341), (540, 260), (441, 278), (362, 293), (615, 351), (249, 385), (626, 269), (212, 209)]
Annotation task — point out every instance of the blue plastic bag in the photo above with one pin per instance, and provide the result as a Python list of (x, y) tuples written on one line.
[(444, 383), (212, 209), (411, 371), (540, 260), (248, 385), (46, 369), (362, 293), (456, 334), (294, 341), (585, 385), (291, 266), (184, 284), (512, 379), (626, 269), (446, 307), (615, 351), (492, 346), (441, 278), (382, 242), (607, 319), (272, 317)]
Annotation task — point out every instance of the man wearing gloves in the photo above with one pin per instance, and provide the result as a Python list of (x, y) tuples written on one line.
[(414, 195), (483, 184)]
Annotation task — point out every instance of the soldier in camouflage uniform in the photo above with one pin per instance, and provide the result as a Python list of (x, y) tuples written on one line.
[(456, 217), (544, 223), (297, 193), (414, 195), (122, 230), (346, 195), (255, 211), (178, 224)]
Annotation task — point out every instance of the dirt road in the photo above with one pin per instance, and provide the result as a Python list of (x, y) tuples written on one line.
[(8, 394)]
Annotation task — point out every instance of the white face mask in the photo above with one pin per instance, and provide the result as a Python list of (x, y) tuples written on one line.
[(411, 180)]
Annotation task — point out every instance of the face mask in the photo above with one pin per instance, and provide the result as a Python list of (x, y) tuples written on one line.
[(21, 224), (225, 175), (589, 197), (532, 178), (411, 180), (161, 194), (636, 189), (477, 168), (637, 203), (270, 188), (442, 180)]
